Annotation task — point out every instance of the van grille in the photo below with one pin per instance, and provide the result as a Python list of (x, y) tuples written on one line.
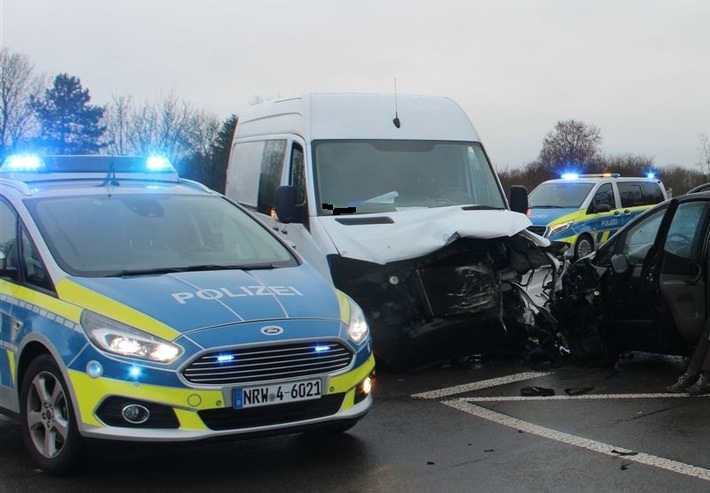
[(264, 363)]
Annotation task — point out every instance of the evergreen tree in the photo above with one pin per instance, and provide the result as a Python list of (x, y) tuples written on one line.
[(68, 123), (219, 158)]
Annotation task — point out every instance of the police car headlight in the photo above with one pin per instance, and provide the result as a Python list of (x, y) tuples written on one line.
[(357, 326), (559, 228), (118, 338)]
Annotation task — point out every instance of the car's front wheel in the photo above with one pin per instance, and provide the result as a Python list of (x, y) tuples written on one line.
[(47, 418), (584, 246)]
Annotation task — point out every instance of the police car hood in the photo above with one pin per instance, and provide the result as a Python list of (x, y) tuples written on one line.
[(542, 216), (383, 238), (193, 300)]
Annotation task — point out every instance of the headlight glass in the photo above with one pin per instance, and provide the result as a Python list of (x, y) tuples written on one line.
[(559, 228), (118, 338), (357, 326)]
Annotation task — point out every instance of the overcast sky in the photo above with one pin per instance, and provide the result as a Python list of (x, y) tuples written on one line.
[(638, 70)]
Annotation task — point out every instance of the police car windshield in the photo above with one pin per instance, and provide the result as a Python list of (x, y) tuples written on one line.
[(151, 233), (562, 194), (361, 176)]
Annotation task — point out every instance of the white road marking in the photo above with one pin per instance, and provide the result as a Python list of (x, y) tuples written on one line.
[(483, 384), (576, 397), (593, 445)]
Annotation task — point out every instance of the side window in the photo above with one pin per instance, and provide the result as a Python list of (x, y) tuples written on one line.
[(641, 236), (604, 196), (652, 193), (272, 164), (35, 272), (298, 175), (8, 240), (631, 194), (685, 232)]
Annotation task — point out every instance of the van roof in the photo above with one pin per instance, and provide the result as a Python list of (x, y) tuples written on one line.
[(359, 116)]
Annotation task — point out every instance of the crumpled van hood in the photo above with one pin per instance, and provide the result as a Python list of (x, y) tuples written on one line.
[(193, 300), (388, 237)]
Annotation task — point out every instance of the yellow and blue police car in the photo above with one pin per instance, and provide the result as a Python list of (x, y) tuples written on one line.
[(136, 305), (585, 210)]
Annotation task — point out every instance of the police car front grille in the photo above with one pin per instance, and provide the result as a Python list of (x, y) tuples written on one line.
[(264, 363), (540, 230)]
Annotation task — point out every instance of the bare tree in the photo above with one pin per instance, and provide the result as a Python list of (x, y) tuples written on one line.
[(19, 86), (571, 143), (704, 150)]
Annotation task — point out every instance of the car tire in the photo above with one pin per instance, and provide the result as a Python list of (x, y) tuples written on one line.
[(47, 419), (583, 246)]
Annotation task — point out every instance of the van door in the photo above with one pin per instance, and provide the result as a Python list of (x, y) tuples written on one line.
[(299, 232)]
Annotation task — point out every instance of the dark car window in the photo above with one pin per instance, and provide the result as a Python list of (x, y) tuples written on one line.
[(604, 196), (641, 236), (685, 232), (631, 194)]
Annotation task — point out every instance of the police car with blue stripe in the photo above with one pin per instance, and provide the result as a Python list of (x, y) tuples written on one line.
[(585, 210), (136, 305)]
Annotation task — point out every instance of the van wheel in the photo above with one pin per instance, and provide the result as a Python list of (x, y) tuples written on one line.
[(47, 418), (584, 246)]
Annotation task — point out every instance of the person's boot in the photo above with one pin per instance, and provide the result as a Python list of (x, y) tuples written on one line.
[(684, 381), (702, 386)]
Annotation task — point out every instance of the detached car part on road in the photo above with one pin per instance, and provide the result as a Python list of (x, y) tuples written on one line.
[(646, 289), (139, 306)]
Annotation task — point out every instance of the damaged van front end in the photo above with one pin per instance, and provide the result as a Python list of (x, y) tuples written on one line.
[(434, 290)]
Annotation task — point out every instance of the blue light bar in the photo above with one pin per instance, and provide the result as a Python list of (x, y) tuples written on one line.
[(34, 168), (23, 163), (570, 176), (321, 348), (650, 174)]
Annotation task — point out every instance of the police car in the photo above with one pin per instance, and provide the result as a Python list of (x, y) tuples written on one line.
[(585, 210), (136, 305)]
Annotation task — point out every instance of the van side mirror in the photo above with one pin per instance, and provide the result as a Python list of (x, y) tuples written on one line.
[(519, 199), (285, 203)]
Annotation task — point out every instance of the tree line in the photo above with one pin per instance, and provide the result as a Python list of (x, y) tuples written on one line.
[(58, 117)]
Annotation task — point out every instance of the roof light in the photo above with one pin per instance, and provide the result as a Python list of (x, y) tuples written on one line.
[(23, 163), (570, 176), (650, 174), (159, 163)]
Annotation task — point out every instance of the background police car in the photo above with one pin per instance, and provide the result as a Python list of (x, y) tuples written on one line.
[(585, 210)]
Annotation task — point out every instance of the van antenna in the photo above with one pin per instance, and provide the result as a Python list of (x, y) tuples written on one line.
[(396, 115)]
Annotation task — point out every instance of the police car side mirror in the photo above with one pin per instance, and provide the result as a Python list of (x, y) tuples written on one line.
[(600, 208), (519, 199), (285, 203)]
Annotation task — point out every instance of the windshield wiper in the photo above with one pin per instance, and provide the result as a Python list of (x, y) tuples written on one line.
[(189, 268)]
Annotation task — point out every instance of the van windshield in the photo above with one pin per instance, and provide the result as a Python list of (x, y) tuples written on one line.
[(365, 176)]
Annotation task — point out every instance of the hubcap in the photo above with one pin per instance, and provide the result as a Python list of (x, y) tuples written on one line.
[(47, 415)]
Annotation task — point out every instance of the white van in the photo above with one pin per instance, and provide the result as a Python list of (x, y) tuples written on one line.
[(395, 201)]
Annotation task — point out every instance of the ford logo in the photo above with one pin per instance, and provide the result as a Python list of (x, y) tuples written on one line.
[(272, 330)]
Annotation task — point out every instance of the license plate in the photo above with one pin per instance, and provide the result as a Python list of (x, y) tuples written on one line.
[(280, 393)]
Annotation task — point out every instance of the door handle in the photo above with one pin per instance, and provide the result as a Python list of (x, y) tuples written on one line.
[(695, 279)]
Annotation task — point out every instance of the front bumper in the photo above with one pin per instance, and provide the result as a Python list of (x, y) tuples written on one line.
[(188, 414)]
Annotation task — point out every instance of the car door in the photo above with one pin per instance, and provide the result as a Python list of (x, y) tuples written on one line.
[(659, 304), (682, 268)]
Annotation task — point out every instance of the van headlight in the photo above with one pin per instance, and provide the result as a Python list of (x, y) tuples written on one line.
[(118, 338), (357, 326), (559, 228)]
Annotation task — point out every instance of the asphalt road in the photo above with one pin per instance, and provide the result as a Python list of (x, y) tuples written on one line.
[(463, 428)]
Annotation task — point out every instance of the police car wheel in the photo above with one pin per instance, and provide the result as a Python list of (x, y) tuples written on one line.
[(584, 246), (47, 419)]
